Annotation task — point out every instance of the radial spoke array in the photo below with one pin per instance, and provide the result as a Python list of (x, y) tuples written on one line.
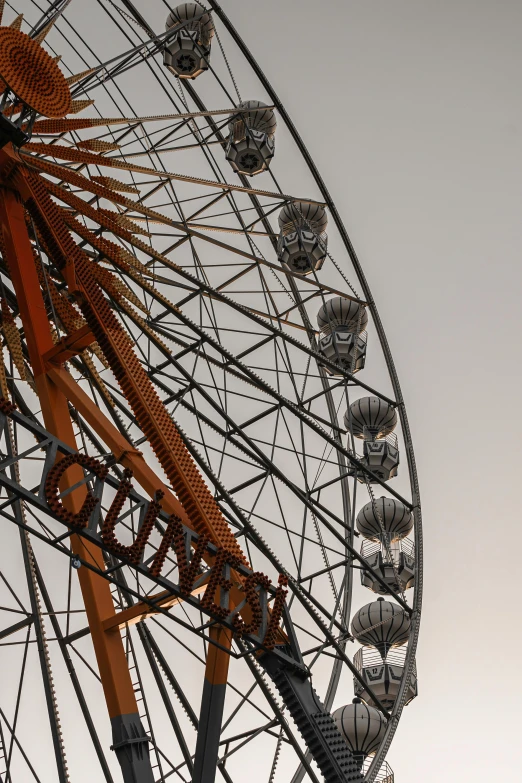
[(256, 333)]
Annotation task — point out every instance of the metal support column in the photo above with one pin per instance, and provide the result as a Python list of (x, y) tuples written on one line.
[(130, 741), (212, 706)]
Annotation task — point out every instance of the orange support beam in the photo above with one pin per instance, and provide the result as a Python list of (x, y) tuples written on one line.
[(133, 459), (140, 611), (196, 506), (69, 346), (122, 449), (99, 606), (151, 415), (96, 591)]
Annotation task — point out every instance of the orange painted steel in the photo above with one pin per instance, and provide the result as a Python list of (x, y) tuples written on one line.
[(194, 504), (216, 670), (125, 453), (147, 407), (68, 153), (69, 346), (140, 611), (97, 598), (104, 427), (97, 145), (103, 621), (32, 74), (134, 460), (25, 197), (218, 660), (93, 414), (74, 155), (115, 185), (201, 510)]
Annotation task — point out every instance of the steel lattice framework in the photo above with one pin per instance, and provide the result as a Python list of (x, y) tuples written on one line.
[(179, 483)]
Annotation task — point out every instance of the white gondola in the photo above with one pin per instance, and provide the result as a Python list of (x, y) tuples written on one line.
[(362, 728), (187, 52), (343, 324), (385, 523), (394, 562), (383, 676), (373, 420), (381, 624), (302, 242), (384, 515), (251, 142)]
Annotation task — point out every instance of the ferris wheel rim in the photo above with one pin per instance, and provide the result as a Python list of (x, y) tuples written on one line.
[(417, 601), (398, 396)]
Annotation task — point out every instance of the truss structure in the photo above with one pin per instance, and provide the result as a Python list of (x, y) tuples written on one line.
[(178, 489)]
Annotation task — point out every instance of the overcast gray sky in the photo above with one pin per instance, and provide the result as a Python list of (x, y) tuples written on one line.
[(412, 111)]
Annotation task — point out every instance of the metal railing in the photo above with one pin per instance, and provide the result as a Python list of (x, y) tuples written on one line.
[(371, 434), (395, 548), (370, 657), (308, 225), (384, 775)]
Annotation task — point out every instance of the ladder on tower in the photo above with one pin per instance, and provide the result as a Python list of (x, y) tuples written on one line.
[(137, 685)]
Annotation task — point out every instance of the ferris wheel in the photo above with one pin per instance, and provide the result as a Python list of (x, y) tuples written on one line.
[(211, 560)]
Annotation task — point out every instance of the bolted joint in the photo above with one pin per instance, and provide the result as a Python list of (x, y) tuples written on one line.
[(131, 745)]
